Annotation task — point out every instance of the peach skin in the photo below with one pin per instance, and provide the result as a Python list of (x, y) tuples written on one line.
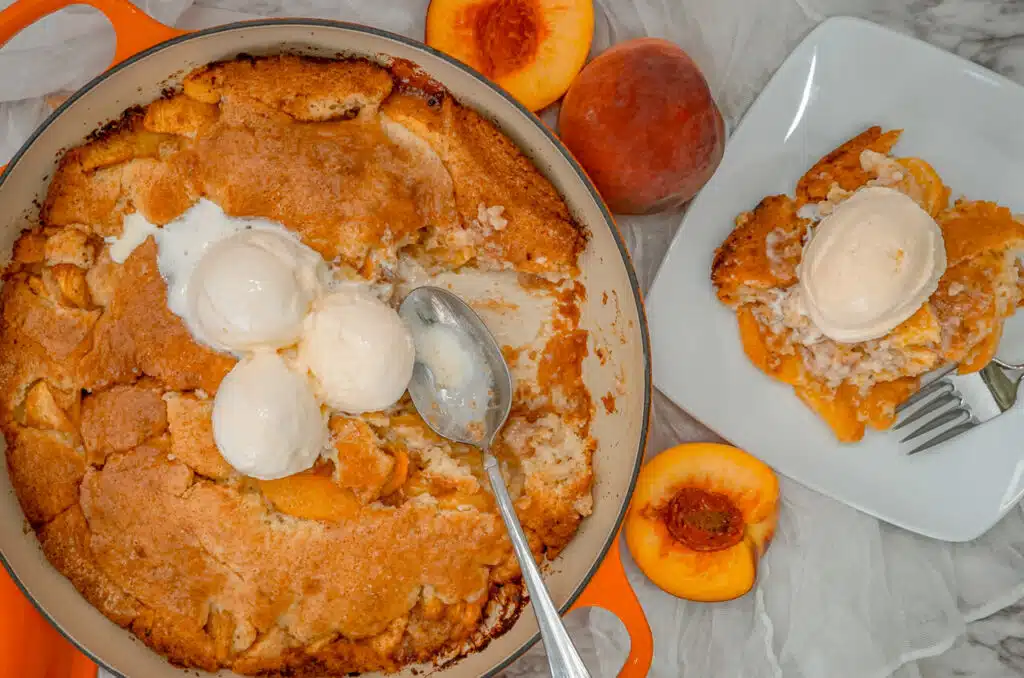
[(641, 121)]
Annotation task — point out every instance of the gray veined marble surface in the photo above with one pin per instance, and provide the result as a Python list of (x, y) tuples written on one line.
[(993, 648)]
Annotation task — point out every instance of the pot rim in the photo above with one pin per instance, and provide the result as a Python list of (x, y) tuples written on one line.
[(576, 167)]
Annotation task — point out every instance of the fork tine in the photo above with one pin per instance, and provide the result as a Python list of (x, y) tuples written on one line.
[(937, 386), (944, 436), (944, 418), (930, 407)]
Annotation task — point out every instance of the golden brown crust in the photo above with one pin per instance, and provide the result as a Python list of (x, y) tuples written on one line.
[(65, 541), (45, 468), (305, 89), (386, 552), (121, 418), (58, 330), (162, 189), (181, 115), (138, 334), (370, 198), (122, 140), (965, 305), (29, 249), (543, 512), (191, 428), (177, 637), (842, 166), (48, 408), (972, 228), (162, 564), (71, 246), (79, 198), (744, 260), (489, 171), (90, 186)]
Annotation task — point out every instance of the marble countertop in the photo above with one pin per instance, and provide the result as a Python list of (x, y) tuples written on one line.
[(993, 648)]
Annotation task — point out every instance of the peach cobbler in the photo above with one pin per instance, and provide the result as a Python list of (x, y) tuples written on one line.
[(868, 279), (376, 544)]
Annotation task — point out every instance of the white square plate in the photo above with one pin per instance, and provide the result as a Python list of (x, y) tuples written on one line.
[(845, 76)]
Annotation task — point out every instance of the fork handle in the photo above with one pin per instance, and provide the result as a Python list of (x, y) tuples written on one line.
[(1003, 388), (1016, 367)]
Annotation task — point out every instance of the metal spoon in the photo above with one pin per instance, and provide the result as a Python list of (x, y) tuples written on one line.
[(441, 321)]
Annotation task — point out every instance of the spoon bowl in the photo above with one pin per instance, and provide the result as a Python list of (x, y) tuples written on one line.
[(462, 387), (460, 384)]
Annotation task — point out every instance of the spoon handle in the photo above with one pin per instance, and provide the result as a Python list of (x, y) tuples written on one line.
[(563, 659)]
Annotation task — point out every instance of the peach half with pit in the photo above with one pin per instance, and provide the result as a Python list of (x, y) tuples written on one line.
[(702, 516), (532, 48)]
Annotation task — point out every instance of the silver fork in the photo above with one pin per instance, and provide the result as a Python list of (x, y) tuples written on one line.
[(940, 406)]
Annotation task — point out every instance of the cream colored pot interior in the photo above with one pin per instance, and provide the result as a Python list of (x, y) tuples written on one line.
[(612, 315)]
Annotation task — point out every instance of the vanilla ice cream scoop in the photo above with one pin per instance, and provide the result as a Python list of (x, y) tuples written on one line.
[(238, 283), (266, 420), (359, 351), (870, 265), (253, 289)]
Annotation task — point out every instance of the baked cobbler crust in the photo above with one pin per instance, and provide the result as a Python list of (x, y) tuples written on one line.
[(754, 271), (390, 549)]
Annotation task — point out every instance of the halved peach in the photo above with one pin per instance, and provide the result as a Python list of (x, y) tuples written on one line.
[(702, 516), (532, 48)]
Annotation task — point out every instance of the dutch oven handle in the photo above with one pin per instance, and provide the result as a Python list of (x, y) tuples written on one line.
[(29, 646), (135, 30), (609, 589)]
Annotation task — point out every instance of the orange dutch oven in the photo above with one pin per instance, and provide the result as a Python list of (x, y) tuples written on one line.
[(148, 57)]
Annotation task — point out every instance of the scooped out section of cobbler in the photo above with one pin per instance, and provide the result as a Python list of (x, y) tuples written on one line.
[(868, 279), (202, 374)]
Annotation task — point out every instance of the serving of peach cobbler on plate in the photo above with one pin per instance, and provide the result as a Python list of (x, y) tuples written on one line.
[(202, 374), (867, 279)]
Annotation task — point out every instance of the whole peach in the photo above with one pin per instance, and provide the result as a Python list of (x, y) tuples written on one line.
[(641, 120)]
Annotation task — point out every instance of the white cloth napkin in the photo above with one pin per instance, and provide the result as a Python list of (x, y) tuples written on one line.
[(840, 594)]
